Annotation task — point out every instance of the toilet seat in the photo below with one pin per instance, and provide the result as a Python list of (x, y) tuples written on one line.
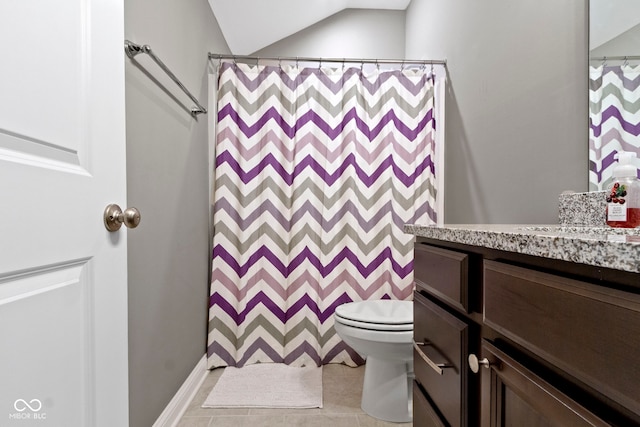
[(378, 315)]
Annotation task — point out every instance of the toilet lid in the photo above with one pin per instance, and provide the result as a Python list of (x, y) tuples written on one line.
[(377, 314)]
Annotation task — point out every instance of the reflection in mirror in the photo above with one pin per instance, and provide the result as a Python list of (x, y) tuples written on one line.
[(614, 86)]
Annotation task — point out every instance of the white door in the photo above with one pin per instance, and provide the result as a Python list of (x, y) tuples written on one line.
[(63, 283)]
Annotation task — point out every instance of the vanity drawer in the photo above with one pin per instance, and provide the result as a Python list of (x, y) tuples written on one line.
[(424, 415), (589, 331), (443, 273), (440, 358)]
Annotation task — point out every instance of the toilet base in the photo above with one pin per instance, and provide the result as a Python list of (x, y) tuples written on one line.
[(386, 392)]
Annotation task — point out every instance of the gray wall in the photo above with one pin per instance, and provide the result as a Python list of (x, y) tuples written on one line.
[(167, 168), (516, 131), (516, 105), (352, 33)]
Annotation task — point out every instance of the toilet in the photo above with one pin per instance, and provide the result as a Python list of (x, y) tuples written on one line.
[(382, 332)]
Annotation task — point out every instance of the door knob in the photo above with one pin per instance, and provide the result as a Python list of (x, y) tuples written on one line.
[(475, 364), (114, 217)]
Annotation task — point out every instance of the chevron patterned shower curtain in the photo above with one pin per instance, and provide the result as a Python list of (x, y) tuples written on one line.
[(614, 119), (316, 171)]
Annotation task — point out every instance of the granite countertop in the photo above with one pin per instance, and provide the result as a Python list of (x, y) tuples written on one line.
[(599, 246)]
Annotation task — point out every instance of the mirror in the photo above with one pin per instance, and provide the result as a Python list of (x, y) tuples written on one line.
[(614, 83), (614, 28)]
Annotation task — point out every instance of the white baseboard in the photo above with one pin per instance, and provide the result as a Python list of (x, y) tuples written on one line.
[(183, 397)]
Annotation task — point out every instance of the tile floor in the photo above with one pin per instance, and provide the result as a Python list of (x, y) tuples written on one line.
[(341, 389)]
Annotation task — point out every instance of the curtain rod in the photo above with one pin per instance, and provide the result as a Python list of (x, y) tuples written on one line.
[(615, 58), (296, 59)]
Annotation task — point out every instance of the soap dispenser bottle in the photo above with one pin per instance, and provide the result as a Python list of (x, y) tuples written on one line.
[(623, 195)]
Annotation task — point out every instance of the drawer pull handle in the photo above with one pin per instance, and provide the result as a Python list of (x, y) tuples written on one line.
[(438, 367), (475, 364)]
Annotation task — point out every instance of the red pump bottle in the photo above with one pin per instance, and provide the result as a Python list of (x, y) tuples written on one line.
[(623, 195)]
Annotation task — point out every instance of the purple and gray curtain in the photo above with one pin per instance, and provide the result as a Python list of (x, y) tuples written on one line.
[(614, 119), (316, 171)]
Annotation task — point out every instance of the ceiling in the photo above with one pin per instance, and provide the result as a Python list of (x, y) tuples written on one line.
[(250, 25)]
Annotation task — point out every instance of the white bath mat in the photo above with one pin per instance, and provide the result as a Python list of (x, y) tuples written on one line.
[(267, 385)]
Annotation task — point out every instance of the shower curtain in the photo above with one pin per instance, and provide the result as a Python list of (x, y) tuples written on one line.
[(316, 171), (614, 119)]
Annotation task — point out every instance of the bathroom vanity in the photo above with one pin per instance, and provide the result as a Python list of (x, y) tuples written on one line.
[(526, 326)]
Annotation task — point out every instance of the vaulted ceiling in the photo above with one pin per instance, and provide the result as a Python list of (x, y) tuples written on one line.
[(250, 25)]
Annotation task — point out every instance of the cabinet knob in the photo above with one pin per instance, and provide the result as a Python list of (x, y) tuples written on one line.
[(475, 364)]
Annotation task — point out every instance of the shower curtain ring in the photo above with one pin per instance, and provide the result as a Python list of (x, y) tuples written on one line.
[(402, 66)]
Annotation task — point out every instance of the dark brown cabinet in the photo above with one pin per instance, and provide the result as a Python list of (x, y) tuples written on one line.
[(443, 339), (440, 359), (424, 413), (518, 397), (590, 332), (443, 273), (560, 341)]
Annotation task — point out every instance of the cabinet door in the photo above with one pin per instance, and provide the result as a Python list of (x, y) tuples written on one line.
[(513, 396)]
